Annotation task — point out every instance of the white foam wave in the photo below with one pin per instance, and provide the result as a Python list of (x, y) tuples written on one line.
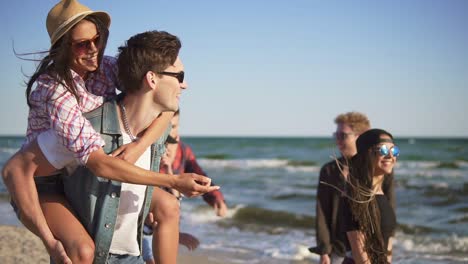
[(8, 151), (207, 215), (431, 173), (428, 169), (246, 164), (416, 164), (297, 252), (463, 164), (431, 245)]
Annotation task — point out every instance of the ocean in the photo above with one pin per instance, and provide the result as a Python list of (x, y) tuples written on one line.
[(270, 187)]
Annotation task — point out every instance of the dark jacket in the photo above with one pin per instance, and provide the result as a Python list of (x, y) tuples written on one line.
[(329, 236)]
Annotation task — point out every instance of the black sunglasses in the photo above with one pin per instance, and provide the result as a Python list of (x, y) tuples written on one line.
[(178, 75), (342, 135)]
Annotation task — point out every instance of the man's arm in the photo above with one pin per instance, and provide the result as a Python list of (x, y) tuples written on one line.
[(214, 198), (323, 216)]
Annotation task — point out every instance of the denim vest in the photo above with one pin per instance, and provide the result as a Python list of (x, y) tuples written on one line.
[(95, 199)]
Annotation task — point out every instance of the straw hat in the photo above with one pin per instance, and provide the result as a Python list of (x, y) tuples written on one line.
[(64, 15)]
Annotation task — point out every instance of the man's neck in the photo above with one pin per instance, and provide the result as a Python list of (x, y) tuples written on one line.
[(140, 111), (348, 156)]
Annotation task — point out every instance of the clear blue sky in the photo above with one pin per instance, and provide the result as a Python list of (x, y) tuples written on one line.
[(282, 68)]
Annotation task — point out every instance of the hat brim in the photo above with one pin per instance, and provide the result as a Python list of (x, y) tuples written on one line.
[(102, 16)]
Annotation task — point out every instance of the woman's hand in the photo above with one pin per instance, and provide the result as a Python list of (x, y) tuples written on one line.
[(130, 152), (57, 252)]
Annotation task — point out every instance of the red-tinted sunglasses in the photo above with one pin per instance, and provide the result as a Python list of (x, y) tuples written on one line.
[(83, 46)]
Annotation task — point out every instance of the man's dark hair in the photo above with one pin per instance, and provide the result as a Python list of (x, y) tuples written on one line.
[(147, 51)]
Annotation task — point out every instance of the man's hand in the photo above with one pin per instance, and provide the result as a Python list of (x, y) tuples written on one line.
[(191, 184), (130, 152), (325, 259), (151, 221), (57, 252), (189, 241), (220, 208)]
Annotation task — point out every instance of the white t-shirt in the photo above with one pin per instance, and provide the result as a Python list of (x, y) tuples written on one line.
[(132, 197), (124, 240)]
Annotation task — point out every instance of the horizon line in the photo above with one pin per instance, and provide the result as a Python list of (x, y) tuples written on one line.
[(292, 136)]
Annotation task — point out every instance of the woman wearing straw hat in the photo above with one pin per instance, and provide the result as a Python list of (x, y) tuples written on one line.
[(74, 67), (370, 219)]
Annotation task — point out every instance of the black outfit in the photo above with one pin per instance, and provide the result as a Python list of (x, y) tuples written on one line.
[(329, 215), (387, 219)]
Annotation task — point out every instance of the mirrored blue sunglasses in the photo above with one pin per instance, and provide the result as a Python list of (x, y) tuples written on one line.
[(385, 151)]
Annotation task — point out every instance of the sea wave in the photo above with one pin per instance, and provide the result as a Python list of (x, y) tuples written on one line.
[(247, 164), (260, 219), (451, 244), (294, 196)]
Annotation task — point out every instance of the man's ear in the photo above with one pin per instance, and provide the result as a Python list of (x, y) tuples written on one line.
[(151, 79)]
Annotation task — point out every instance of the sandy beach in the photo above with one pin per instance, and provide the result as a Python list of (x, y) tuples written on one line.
[(18, 245)]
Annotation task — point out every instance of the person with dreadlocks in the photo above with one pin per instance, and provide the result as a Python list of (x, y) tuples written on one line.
[(370, 219)]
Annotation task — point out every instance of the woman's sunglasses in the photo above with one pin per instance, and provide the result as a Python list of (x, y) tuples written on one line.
[(178, 75), (385, 151), (83, 46)]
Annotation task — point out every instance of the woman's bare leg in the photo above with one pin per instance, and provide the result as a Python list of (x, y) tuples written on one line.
[(66, 228), (166, 211)]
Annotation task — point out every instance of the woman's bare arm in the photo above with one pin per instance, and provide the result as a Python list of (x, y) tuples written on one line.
[(132, 151), (390, 248), (356, 240)]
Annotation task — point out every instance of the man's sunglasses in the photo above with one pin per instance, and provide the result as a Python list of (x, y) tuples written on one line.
[(385, 151), (83, 46), (341, 135), (178, 75)]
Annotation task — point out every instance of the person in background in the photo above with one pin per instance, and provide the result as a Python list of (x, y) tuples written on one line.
[(369, 217), (184, 161), (179, 158), (331, 242)]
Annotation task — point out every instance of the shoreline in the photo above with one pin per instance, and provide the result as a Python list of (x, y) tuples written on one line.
[(18, 245)]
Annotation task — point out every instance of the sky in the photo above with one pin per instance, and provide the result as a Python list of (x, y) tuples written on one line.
[(281, 68)]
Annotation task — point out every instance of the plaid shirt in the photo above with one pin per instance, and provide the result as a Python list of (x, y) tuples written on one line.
[(186, 162), (53, 106)]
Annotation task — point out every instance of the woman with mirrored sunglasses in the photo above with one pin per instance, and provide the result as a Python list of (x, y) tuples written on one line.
[(370, 220)]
